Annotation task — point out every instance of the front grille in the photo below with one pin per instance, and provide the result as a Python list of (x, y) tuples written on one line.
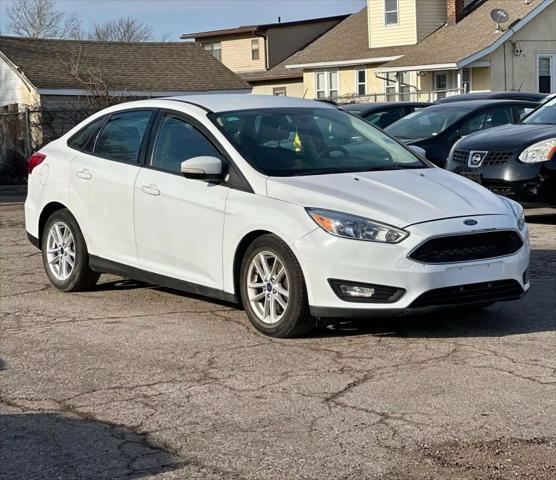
[(471, 293), (492, 158), (497, 158), (460, 156), (467, 247)]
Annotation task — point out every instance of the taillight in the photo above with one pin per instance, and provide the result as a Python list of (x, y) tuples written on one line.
[(36, 159)]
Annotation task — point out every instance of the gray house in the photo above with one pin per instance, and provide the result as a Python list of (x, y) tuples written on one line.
[(61, 72)]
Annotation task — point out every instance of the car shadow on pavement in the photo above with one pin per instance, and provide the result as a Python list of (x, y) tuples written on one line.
[(53, 445)]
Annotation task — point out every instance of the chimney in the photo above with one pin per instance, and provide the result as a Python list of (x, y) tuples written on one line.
[(454, 11)]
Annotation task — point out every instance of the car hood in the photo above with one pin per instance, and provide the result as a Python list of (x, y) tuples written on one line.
[(411, 141), (397, 197), (507, 137)]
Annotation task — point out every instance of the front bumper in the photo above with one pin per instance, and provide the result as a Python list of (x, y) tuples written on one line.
[(504, 174), (323, 257)]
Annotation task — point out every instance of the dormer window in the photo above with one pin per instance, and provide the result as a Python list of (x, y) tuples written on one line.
[(390, 12), (215, 49), (255, 55)]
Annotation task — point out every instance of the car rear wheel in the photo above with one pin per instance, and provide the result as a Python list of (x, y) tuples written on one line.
[(65, 255), (273, 290)]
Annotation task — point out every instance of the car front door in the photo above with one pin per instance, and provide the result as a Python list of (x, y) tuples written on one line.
[(102, 178), (179, 221)]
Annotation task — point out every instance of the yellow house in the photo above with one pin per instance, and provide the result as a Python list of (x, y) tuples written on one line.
[(426, 49), (257, 52)]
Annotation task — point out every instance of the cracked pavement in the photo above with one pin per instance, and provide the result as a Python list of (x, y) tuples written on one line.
[(134, 381)]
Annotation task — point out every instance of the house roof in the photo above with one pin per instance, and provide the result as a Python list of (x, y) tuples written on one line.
[(131, 67), (474, 33), (257, 28), (347, 42)]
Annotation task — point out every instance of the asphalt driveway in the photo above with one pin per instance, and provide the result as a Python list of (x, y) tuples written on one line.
[(135, 381)]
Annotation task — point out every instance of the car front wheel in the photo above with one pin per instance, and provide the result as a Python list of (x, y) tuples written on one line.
[(273, 290), (65, 255)]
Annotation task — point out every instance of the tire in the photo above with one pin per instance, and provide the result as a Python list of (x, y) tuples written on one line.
[(292, 321), (66, 278)]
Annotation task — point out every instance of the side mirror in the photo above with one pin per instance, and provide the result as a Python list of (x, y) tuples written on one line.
[(418, 150), (202, 168)]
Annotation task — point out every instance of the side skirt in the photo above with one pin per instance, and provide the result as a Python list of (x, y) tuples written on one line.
[(102, 265)]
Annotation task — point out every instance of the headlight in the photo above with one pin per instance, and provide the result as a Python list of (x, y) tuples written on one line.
[(357, 228), (539, 152), (517, 210)]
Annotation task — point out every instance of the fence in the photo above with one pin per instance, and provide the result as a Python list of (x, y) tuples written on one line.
[(25, 130), (414, 96)]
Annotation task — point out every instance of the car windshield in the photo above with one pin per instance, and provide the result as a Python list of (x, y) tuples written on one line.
[(312, 141), (427, 122), (546, 114)]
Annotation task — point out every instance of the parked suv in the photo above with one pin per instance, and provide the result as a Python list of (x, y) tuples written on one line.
[(293, 207), (436, 128), (518, 161)]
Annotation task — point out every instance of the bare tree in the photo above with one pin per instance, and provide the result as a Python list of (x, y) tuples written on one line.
[(40, 19), (122, 30)]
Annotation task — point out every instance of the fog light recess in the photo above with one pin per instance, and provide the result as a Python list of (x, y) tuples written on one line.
[(365, 292)]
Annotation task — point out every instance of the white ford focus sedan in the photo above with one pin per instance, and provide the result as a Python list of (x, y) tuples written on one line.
[(292, 207)]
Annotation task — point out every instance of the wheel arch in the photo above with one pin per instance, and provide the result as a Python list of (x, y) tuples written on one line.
[(46, 212), (241, 248)]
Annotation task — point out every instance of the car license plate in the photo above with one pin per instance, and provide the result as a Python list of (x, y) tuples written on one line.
[(476, 177)]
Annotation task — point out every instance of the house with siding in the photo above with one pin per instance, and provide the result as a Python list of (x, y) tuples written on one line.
[(257, 52), (426, 49), (46, 73)]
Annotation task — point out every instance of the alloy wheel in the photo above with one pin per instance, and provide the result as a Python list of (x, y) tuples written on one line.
[(60, 250), (268, 287)]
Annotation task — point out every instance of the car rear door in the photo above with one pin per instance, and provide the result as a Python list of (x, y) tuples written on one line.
[(101, 185), (179, 221)]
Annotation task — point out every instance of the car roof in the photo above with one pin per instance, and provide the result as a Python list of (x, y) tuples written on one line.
[(476, 104), (375, 105), (233, 102), (527, 96)]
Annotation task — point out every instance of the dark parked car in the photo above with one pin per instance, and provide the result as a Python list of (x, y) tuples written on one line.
[(436, 128), (518, 161), (383, 114), (525, 96)]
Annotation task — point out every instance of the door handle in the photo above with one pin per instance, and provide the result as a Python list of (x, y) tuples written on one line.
[(150, 190), (84, 174)]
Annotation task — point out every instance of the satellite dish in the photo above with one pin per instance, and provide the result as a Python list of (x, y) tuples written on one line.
[(499, 15)]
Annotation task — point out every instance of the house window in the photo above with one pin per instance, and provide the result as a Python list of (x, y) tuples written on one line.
[(361, 82), (440, 84), (326, 84), (390, 86), (390, 12), (466, 80), (279, 91), (546, 73), (215, 49), (255, 54)]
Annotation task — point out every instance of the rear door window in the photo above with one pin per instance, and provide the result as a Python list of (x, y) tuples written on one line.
[(493, 117), (386, 117), (122, 136), (80, 139)]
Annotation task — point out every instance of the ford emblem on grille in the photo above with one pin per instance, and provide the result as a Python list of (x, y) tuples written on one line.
[(470, 222), (476, 158)]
